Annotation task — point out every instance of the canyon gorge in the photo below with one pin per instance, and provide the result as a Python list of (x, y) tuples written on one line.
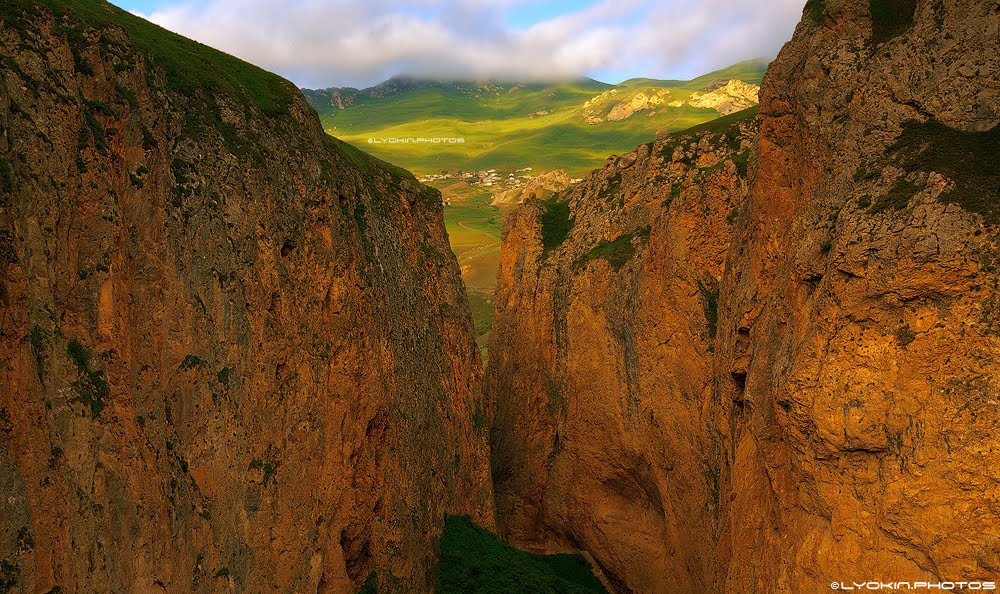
[(759, 355)]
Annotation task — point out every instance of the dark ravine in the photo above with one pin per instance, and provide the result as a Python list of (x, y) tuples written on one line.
[(718, 384), (235, 353)]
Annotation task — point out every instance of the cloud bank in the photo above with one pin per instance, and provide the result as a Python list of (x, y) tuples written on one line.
[(320, 43)]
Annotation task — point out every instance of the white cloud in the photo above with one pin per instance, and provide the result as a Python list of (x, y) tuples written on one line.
[(320, 43)]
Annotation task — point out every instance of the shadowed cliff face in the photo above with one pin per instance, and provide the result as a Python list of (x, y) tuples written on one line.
[(234, 353), (791, 381)]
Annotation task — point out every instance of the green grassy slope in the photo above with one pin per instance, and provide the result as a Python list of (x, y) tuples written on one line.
[(751, 71), (189, 66), (506, 126), (509, 125)]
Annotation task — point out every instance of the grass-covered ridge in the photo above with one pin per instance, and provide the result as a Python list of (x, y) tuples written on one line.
[(723, 124), (189, 67), (201, 77), (474, 561)]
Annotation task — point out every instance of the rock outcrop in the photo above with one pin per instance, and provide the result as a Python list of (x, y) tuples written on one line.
[(735, 95), (858, 357), (615, 105), (784, 383), (538, 187), (609, 106), (235, 353)]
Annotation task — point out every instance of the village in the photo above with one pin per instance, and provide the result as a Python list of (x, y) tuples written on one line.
[(498, 180)]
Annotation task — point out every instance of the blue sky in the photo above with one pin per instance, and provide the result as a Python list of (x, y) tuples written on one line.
[(320, 43)]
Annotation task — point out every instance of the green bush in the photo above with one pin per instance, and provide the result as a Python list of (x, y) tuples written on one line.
[(740, 160), (556, 224), (39, 340), (8, 576), (192, 361), (904, 335), (474, 561)]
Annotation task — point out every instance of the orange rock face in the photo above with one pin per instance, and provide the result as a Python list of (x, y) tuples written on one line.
[(839, 422), (857, 354), (235, 354)]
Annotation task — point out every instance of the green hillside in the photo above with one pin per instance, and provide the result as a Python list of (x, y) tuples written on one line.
[(751, 71), (511, 125), (189, 67)]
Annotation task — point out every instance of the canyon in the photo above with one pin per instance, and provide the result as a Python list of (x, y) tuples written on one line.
[(757, 355)]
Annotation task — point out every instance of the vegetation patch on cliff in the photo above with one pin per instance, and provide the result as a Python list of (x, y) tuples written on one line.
[(556, 224), (616, 252), (92, 386), (8, 576), (968, 159), (890, 18), (711, 308), (474, 561)]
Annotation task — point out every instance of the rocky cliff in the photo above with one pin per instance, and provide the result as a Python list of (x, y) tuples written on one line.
[(773, 385), (235, 354)]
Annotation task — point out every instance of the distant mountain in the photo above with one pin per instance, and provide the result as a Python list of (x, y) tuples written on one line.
[(571, 125), (344, 97)]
